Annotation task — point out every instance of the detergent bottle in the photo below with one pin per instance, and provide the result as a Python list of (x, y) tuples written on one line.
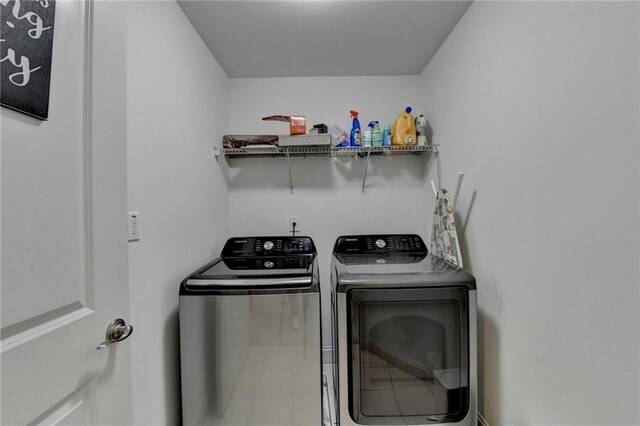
[(376, 134), (386, 136), (355, 138), (403, 129)]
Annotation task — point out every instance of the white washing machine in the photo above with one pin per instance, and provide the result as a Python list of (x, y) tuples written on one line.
[(404, 331)]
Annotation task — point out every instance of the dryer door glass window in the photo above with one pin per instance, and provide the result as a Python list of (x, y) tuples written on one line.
[(409, 352)]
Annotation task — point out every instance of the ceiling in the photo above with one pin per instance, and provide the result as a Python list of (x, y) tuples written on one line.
[(323, 38)]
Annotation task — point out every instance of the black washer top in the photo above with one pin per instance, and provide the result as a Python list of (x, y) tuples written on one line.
[(387, 248), (268, 246), (252, 263), (262, 266)]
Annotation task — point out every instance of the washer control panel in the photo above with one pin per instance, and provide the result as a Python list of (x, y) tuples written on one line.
[(367, 244), (268, 246), (380, 243), (255, 263)]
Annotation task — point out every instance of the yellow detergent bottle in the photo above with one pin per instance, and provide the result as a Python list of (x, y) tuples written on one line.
[(403, 130)]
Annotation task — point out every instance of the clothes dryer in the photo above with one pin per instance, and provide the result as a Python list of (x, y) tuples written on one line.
[(404, 330)]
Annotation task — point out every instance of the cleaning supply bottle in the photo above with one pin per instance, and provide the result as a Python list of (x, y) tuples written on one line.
[(386, 136), (339, 136), (355, 138), (404, 129), (366, 138), (376, 134), (421, 128)]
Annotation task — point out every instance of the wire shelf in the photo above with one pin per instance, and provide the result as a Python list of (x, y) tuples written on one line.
[(366, 152), (320, 151)]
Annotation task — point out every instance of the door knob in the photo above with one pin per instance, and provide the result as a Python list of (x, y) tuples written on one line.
[(117, 331)]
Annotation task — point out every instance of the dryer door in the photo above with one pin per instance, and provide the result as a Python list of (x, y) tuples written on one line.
[(409, 355)]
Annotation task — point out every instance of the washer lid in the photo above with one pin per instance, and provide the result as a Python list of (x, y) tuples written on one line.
[(278, 272)]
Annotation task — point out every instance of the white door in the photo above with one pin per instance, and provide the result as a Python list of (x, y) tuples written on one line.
[(64, 232)]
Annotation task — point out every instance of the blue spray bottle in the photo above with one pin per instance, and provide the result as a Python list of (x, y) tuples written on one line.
[(355, 138)]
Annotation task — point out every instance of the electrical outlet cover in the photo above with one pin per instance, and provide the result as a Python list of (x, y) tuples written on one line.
[(134, 226), (295, 219)]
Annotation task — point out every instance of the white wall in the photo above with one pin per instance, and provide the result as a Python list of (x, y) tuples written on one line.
[(177, 111), (327, 193), (538, 103)]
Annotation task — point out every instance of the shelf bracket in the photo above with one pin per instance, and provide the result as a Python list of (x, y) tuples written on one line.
[(432, 154), (366, 167), (290, 177)]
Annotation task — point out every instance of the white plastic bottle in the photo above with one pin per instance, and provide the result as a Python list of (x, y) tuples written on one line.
[(366, 139)]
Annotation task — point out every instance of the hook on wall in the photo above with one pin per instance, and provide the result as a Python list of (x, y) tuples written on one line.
[(455, 194)]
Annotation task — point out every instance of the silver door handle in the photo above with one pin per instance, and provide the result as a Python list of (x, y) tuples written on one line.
[(117, 331)]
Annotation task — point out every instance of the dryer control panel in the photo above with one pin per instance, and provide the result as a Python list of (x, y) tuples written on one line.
[(268, 246), (368, 244)]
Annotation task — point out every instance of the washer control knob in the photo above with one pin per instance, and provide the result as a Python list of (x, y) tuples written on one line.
[(268, 264), (381, 244), (268, 245)]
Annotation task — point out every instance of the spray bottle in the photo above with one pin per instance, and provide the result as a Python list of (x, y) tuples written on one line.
[(355, 138)]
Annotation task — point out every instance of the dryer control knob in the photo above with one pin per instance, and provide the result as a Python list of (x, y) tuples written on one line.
[(268, 264), (268, 245), (381, 244)]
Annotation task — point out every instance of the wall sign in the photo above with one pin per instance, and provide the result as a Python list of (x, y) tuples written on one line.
[(26, 43)]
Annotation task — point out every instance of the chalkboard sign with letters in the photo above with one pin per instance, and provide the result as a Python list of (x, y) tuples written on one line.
[(26, 44)]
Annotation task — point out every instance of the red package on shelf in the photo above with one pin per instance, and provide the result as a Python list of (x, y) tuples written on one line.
[(297, 123)]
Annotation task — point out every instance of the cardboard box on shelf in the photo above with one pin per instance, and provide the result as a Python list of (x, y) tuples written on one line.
[(297, 123)]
